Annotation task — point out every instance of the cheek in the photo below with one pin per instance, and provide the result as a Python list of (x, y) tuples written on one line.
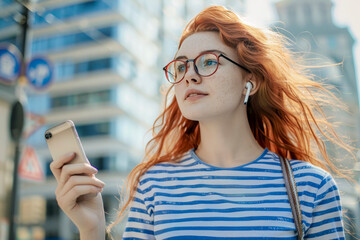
[(179, 94), (226, 93)]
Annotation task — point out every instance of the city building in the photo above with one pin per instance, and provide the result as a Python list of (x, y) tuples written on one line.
[(310, 27), (104, 56)]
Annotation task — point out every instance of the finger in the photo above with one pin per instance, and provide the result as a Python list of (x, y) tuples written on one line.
[(80, 180), (69, 170), (68, 201), (56, 166)]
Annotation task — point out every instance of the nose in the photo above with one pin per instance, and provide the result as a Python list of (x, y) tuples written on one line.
[(191, 74)]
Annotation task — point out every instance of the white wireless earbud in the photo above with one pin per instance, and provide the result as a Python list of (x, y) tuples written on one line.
[(248, 86)]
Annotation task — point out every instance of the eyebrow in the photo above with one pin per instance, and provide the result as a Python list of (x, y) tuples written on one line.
[(206, 51)]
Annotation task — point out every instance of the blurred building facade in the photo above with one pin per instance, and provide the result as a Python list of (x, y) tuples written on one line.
[(309, 25), (105, 55)]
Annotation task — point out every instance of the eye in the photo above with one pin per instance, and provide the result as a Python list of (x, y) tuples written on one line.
[(181, 68), (207, 61), (210, 62)]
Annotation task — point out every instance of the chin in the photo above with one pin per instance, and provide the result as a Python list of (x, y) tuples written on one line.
[(197, 115), (192, 117)]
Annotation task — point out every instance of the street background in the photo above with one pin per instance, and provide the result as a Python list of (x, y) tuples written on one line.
[(99, 63)]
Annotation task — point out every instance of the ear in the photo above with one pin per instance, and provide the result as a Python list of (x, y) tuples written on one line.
[(255, 84)]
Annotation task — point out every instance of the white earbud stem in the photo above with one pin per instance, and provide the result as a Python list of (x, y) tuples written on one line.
[(248, 89)]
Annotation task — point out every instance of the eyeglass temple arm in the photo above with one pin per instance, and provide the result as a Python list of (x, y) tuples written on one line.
[(247, 70)]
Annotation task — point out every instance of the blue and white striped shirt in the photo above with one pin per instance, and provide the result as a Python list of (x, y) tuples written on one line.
[(190, 199)]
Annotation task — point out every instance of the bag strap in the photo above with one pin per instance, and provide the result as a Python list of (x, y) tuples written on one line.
[(291, 190)]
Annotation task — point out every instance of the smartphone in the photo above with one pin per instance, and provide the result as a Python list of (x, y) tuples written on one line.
[(63, 139)]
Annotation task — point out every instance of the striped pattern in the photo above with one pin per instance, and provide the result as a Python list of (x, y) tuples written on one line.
[(193, 200)]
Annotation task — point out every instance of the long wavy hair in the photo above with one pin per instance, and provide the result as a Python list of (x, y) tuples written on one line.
[(284, 115)]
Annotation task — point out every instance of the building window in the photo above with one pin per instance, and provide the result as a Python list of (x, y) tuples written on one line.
[(68, 70), (89, 98), (95, 129), (102, 162), (63, 41), (72, 11)]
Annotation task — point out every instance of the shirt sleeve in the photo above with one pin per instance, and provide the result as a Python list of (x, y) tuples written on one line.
[(140, 224), (327, 220)]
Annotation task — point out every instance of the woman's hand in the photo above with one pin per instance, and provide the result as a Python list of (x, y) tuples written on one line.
[(79, 195)]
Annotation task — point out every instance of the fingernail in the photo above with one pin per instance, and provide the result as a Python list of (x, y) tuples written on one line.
[(70, 154)]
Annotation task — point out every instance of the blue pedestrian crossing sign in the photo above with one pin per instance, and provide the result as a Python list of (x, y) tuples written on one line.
[(10, 63), (39, 72)]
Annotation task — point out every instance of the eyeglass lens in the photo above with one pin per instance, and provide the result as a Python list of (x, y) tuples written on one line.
[(205, 65)]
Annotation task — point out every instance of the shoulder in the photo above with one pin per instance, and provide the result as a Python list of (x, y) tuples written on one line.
[(307, 171), (310, 179), (314, 182), (302, 169)]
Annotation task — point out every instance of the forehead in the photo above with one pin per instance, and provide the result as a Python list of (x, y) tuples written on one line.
[(198, 42)]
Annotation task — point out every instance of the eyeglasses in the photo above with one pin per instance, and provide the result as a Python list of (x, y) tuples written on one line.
[(205, 65)]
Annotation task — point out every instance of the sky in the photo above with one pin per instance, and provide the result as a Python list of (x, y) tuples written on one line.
[(345, 13)]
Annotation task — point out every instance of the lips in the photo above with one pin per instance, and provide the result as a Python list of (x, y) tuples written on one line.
[(194, 92)]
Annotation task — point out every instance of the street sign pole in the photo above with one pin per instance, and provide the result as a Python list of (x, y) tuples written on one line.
[(16, 127)]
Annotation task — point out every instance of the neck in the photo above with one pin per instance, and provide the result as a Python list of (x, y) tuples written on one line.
[(227, 142)]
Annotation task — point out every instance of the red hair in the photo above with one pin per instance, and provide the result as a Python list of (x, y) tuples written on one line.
[(284, 114)]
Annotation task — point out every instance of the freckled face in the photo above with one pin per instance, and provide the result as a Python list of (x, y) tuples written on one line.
[(224, 89)]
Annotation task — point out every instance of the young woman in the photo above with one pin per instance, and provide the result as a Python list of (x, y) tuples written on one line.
[(212, 170)]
